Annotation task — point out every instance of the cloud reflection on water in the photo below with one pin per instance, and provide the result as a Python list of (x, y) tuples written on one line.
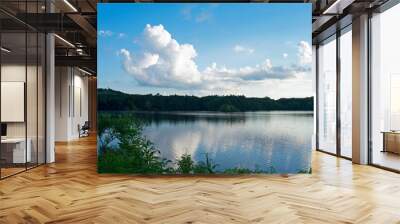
[(246, 140)]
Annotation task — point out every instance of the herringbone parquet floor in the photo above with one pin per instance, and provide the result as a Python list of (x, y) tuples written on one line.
[(70, 191)]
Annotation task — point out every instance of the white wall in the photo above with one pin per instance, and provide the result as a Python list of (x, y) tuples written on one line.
[(17, 73), (71, 87), (80, 94), (62, 82)]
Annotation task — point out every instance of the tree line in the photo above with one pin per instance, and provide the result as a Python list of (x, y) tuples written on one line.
[(112, 100)]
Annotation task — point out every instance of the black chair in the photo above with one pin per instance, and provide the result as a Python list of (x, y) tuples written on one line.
[(84, 130)]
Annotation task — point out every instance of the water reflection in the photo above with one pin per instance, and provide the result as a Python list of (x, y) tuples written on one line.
[(261, 140)]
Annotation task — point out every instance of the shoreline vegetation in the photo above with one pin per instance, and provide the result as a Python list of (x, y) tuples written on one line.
[(123, 149), (112, 100)]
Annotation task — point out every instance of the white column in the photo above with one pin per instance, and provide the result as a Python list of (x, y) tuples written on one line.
[(360, 90)]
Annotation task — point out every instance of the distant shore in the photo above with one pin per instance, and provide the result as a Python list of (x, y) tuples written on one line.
[(112, 100)]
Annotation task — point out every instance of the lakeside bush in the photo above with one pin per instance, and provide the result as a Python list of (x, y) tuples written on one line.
[(185, 164), (123, 149)]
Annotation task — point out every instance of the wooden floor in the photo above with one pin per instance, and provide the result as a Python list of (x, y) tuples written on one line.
[(70, 191), (5, 172), (387, 159)]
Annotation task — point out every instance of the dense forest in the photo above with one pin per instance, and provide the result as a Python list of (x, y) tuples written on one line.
[(111, 100)]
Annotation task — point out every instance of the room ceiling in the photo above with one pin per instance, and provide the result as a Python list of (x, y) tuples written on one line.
[(74, 21)]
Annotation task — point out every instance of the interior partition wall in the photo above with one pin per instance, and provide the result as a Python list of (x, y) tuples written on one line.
[(22, 77), (334, 94), (385, 89)]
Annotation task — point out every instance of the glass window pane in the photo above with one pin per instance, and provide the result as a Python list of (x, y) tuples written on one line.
[(23, 90), (32, 88), (327, 96), (346, 94), (13, 86), (31, 97), (41, 98), (385, 93)]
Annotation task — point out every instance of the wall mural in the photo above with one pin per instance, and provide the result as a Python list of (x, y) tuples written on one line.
[(204, 88)]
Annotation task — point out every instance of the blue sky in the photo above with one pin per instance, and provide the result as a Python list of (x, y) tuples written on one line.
[(201, 49)]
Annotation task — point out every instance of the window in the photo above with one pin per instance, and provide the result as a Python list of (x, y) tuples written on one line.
[(385, 89), (327, 95), (346, 92), (22, 87)]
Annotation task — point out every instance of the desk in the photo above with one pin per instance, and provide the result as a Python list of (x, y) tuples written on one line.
[(15, 148), (391, 141)]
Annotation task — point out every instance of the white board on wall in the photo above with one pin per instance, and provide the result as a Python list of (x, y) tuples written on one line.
[(12, 101)]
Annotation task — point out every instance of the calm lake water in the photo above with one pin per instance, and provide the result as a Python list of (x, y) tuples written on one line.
[(252, 140)]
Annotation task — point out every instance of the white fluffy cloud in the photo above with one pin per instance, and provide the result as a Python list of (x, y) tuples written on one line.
[(304, 53), (165, 63), (285, 55), (242, 49)]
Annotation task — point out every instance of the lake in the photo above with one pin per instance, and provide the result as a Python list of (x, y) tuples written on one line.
[(268, 140)]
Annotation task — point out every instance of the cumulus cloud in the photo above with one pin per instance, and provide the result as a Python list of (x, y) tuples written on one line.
[(259, 72), (105, 33), (242, 49), (304, 53), (166, 63), (285, 55)]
